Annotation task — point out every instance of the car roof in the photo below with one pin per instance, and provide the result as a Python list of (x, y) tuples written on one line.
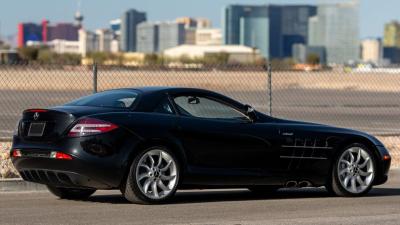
[(155, 93)]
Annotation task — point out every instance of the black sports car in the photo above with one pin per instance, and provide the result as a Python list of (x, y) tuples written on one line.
[(149, 142)]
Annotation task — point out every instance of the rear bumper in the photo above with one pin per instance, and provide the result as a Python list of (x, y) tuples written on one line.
[(98, 161), (60, 173), (61, 179)]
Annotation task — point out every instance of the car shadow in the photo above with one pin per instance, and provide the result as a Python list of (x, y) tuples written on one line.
[(196, 196)]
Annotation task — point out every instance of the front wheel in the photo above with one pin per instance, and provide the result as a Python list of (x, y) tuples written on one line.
[(153, 177), (71, 193), (353, 172)]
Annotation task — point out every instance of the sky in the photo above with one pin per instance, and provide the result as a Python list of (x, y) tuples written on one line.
[(373, 13)]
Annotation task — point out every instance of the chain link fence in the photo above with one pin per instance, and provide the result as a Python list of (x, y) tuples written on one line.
[(367, 100)]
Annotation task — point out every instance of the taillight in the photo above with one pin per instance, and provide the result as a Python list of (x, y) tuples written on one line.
[(60, 155), (89, 126), (16, 153)]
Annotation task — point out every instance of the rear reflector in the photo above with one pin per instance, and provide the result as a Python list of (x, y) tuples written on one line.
[(16, 153), (89, 126), (60, 155)]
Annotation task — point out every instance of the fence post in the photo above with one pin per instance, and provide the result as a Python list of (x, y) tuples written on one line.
[(94, 78), (270, 88)]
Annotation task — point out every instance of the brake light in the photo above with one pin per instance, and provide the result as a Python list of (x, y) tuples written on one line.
[(89, 126), (16, 153), (60, 155), (37, 110)]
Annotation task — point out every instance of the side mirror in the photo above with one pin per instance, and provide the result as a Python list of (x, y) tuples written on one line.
[(193, 100), (251, 113)]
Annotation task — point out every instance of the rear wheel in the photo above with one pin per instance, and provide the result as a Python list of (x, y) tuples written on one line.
[(70, 193), (153, 177), (354, 172)]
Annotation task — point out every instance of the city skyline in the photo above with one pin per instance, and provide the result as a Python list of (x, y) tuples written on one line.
[(371, 22)]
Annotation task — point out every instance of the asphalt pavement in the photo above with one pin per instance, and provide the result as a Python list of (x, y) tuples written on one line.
[(305, 206)]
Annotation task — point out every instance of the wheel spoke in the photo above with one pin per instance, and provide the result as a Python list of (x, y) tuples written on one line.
[(364, 174), (159, 159), (351, 157), (154, 189), (145, 166), (364, 163), (353, 184), (142, 176), (358, 156), (146, 185), (165, 168), (342, 172), (346, 180), (164, 177), (360, 181), (162, 186), (151, 161)]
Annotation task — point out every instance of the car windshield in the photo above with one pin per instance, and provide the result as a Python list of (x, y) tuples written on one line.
[(114, 99)]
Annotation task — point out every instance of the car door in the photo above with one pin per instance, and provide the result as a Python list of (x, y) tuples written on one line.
[(219, 138)]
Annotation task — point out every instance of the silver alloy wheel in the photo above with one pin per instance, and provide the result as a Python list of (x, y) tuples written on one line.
[(156, 174), (355, 170)]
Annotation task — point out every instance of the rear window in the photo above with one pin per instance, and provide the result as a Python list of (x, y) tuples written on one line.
[(113, 99)]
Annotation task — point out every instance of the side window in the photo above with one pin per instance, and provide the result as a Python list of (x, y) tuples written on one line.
[(206, 108), (164, 107)]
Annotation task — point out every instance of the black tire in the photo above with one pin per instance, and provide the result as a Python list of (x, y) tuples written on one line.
[(131, 190), (334, 186), (71, 193), (263, 190)]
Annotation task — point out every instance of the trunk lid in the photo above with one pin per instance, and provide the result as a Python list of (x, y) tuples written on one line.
[(48, 125)]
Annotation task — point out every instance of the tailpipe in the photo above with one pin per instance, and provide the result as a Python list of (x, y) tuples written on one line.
[(291, 184), (304, 183)]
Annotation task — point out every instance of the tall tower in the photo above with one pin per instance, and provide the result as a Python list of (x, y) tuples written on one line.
[(78, 15)]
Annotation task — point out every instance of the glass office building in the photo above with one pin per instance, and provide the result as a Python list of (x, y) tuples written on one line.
[(336, 27), (273, 29), (129, 21)]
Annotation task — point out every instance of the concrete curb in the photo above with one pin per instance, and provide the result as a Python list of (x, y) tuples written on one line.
[(19, 185)]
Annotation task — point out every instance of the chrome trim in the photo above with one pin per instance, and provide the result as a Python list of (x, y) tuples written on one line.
[(299, 157)]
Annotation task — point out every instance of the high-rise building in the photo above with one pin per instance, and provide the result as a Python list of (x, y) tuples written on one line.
[(371, 50), (105, 38), (188, 22), (392, 34), (271, 28), (115, 26), (208, 36), (29, 32), (203, 23), (336, 27), (45, 32), (63, 31), (88, 42), (147, 37), (129, 21), (171, 34)]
